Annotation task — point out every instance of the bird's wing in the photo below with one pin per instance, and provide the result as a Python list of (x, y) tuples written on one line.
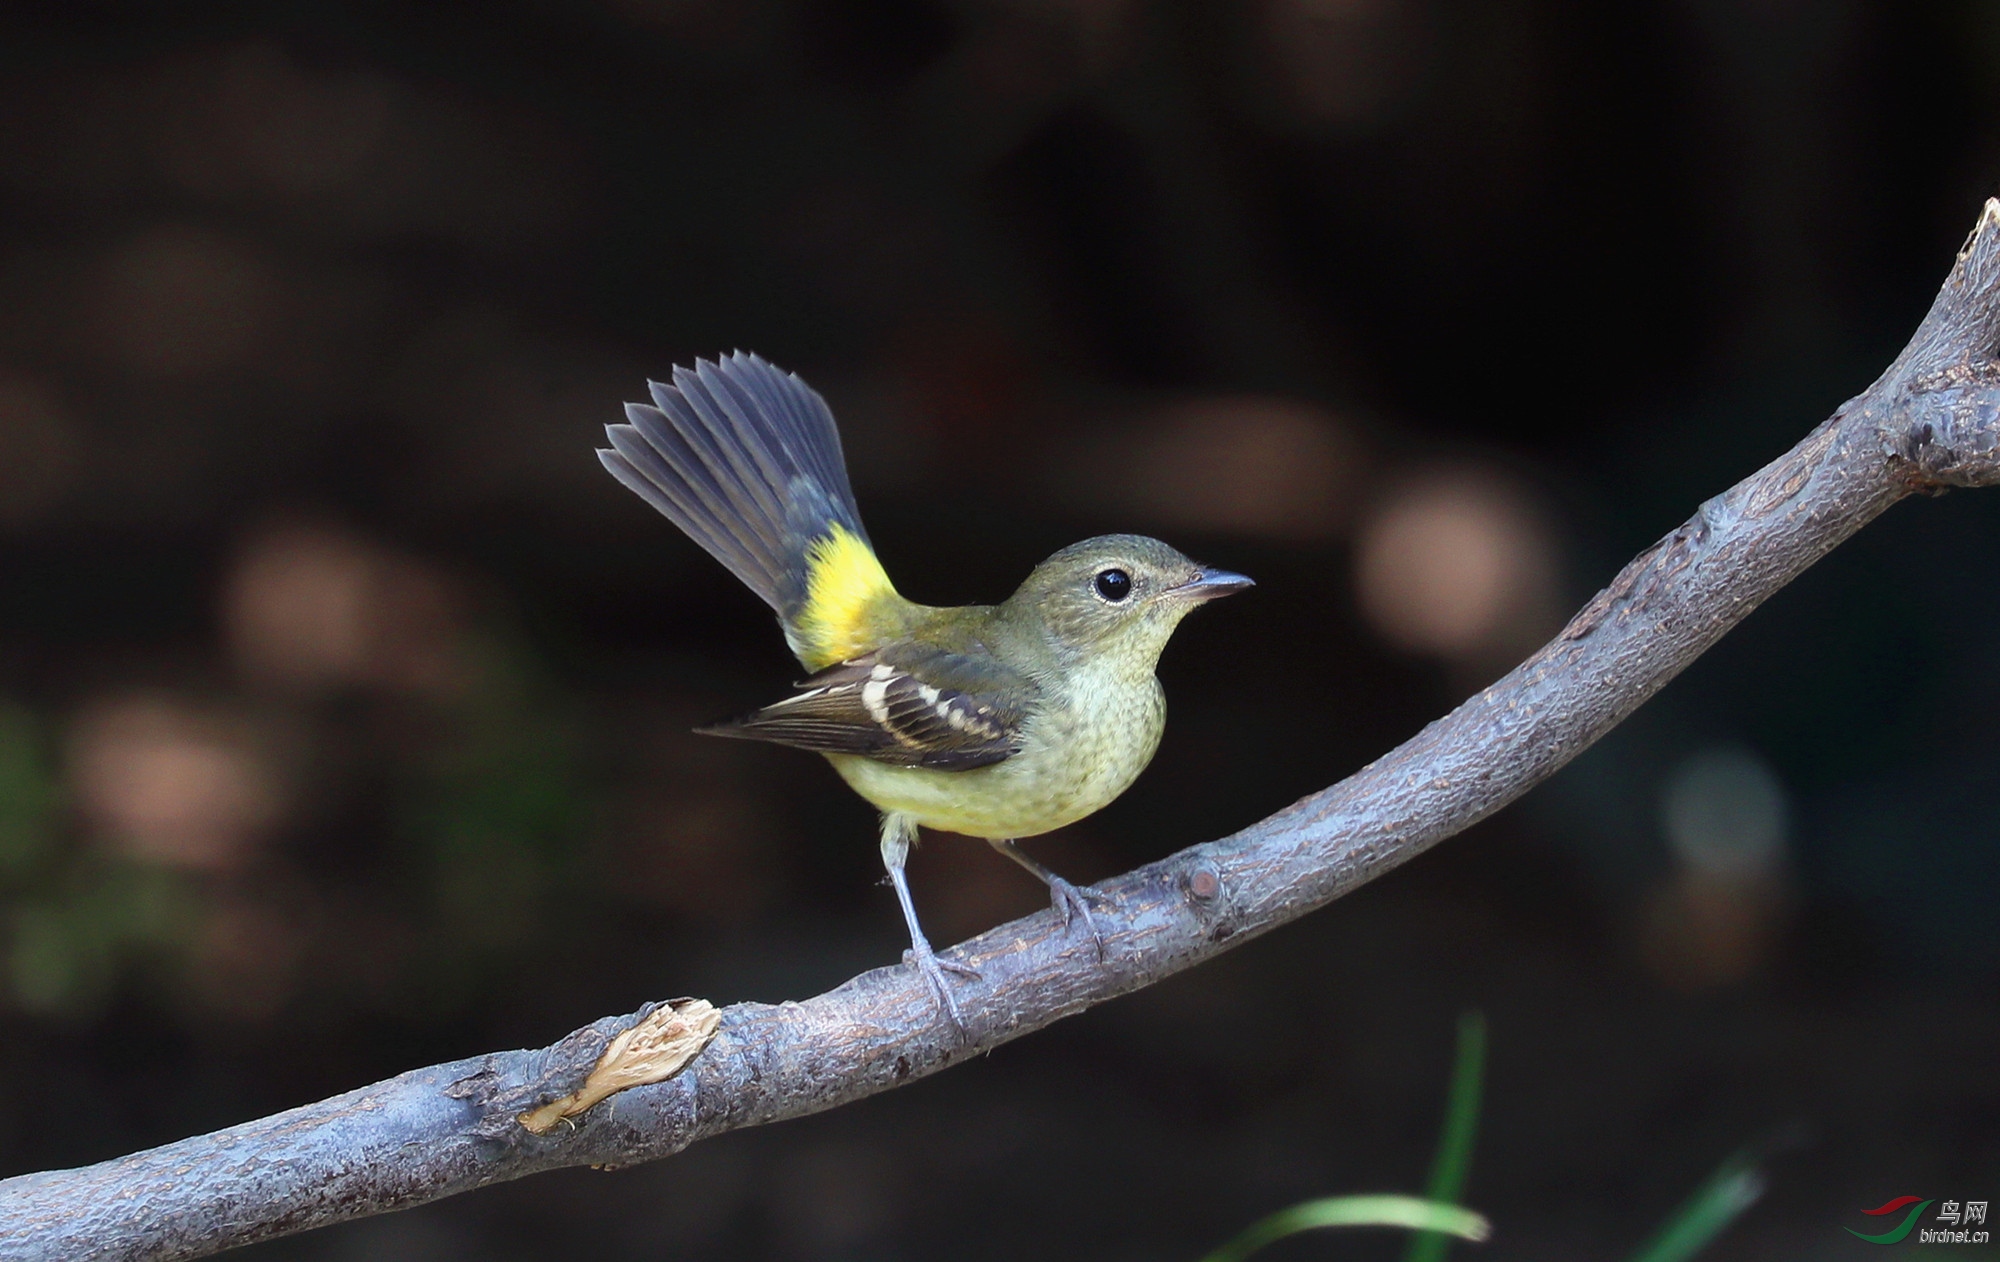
[(904, 704)]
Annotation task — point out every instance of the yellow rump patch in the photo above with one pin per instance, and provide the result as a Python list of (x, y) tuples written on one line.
[(843, 579)]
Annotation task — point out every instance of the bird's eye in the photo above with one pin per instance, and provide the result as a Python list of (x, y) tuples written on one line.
[(1114, 585)]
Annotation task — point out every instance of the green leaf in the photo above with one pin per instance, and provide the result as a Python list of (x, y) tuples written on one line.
[(1461, 1128), (1733, 1188), (1355, 1211)]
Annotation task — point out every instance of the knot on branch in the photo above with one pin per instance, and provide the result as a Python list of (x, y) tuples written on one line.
[(1945, 430), (1644, 575)]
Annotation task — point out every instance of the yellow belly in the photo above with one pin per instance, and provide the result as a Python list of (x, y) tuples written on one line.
[(1072, 763)]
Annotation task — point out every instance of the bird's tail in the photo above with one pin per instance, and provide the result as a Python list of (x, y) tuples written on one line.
[(745, 458)]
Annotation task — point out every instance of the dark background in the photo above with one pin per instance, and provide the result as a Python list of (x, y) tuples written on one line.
[(346, 701)]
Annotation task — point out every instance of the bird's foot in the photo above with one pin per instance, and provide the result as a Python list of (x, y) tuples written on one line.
[(934, 969), (1072, 901)]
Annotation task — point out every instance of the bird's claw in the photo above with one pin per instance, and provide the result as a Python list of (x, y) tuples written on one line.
[(934, 970), (1071, 901)]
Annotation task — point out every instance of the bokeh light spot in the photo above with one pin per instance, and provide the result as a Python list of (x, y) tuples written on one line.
[(310, 606), (1724, 813), (1715, 921), (1246, 465), (166, 782), (1458, 564), (180, 300)]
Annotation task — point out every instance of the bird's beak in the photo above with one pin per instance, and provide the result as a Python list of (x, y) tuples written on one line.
[(1209, 584)]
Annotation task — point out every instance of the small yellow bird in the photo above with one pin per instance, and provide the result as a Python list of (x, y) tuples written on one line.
[(995, 721)]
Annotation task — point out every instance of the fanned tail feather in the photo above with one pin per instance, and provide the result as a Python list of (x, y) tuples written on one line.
[(746, 459)]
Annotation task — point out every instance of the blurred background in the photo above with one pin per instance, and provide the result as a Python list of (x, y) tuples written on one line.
[(345, 702)]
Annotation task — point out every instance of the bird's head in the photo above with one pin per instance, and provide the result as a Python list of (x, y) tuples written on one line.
[(1117, 597)]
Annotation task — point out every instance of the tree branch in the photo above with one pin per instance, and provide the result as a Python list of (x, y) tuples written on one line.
[(1931, 421)]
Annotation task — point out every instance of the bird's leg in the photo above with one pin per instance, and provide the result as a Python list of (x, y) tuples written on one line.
[(897, 830), (1070, 901)]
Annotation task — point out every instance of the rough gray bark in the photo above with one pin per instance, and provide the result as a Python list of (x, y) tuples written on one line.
[(1931, 421)]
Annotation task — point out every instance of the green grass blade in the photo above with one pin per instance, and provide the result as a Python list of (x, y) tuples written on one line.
[(1461, 1127), (1715, 1204), (1354, 1211)]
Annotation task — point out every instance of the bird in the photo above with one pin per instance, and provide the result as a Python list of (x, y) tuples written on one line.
[(992, 721)]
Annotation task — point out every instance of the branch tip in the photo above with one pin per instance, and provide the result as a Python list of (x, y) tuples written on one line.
[(1989, 218)]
